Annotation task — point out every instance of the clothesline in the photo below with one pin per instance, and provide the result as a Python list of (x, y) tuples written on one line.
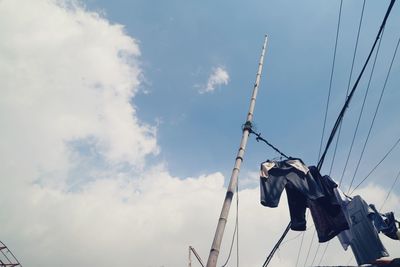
[(258, 138)]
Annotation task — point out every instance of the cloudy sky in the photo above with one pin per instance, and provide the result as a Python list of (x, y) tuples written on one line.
[(121, 119)]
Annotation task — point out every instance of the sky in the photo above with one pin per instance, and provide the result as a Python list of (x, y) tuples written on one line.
[(121, 121)]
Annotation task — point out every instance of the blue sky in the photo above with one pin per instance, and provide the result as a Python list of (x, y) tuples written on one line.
[(181, 42), (113, 146)]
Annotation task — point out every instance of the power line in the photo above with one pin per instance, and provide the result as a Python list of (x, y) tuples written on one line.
[(376, 166), (326, 112), (301, 245), (376, 112), (291, 239), (341, 114), (331, 78), (390, 191), (316, 252), (338, 123), (362, 109), (348, 84), (309, 248), (271, 254), (340, 126), (323, 254)]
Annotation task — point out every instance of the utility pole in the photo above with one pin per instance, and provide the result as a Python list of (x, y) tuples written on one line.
[(214, 252)]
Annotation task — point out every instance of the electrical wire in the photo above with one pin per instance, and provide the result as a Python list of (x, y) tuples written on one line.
[(390, 191), (374, 117), (331, 78), (309, 248), (302, 239), (276, 247), (316, 252), (362, 108), (291, 239), (341, 114), (376, 166), (301, 246), (348, 84), (327, 108), (323, 254), (336, 126)]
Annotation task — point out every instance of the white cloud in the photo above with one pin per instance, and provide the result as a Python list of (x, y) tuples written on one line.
[(219, 76), (76, 189), (67, 75)]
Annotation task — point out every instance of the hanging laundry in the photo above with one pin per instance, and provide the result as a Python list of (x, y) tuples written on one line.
[(386, 226), (345, 236), (362, 235), (304, 188), (329, 219), (293, 175)]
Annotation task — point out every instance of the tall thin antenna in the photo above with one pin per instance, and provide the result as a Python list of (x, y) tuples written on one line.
[(214, 252)]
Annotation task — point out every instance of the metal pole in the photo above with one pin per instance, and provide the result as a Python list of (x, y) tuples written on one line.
[(213, 257), (191, 249), (190, 257)]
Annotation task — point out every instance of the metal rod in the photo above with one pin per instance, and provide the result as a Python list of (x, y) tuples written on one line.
[(191, 249), (190, 257), (214, 252)]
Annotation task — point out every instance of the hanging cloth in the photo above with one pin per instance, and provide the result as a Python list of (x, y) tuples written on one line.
[(293, 175), (328, 217), (386, 226), (362, 235), (304, 188)]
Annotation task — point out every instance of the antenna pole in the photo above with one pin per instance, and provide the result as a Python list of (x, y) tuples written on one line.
[(214, 252)]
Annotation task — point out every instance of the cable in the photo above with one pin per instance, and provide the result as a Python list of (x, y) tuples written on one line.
[(341, 114), (331, 79), (302, 239), (376, 166), (258, 138), (323, 254), (291, 239), (309, 248), (349, 260), (349, 82), (316, 252), (328, 100), (271, 254), (362, 108), (334, 153), (301, 245), (374, 117), (390, 191)]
